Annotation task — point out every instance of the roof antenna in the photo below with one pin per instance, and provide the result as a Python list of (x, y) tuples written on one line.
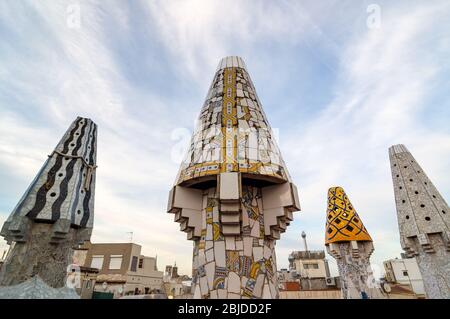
[(304, 241)]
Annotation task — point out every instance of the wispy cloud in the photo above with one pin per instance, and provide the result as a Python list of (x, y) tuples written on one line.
[(339, 93), (386, 77)]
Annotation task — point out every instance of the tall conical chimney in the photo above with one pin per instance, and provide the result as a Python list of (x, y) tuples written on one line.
[(233, 170), (56, 213), (423, 221)]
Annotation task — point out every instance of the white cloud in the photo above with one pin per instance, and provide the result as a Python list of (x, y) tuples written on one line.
[(385, 77)]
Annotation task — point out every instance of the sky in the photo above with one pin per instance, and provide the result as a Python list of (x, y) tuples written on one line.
[(340, 81)]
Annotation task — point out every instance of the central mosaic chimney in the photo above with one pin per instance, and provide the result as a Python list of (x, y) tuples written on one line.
[(233, 195)]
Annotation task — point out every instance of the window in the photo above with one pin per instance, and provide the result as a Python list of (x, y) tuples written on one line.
[(405, 273), (141, 262), (115, 262), (134, 262), (97, 261), (311, 266)]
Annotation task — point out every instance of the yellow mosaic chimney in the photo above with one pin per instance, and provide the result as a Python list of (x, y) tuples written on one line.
[(343, 222), (347, 240)]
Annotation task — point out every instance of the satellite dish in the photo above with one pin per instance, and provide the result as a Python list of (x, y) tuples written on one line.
[(104, 285), (120, 290), (386, 287)]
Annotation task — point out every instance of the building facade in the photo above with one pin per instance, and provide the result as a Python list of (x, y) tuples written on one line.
[(308, 271), (404, 272), (123, 270), (309, 264)]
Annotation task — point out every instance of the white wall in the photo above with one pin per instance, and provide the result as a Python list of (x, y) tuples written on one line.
[(311, 273), (413, 278)]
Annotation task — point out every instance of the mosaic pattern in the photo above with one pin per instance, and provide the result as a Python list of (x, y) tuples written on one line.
[(232, 133), (423, 220), (36, 288), (343, 223), (355, 272), (232, 170), (242, 266), (63, 190), (348, 241)]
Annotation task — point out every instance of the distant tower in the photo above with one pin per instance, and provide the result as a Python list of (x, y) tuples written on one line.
[(348, 241), (56, 213), (168, 271), (304, 240), (233, 194), (423, 220), (175, 271)]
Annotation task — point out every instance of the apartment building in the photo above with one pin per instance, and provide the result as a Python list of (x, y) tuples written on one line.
[(123, 270)]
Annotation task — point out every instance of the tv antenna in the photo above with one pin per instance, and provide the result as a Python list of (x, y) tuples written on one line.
[(304, 240)]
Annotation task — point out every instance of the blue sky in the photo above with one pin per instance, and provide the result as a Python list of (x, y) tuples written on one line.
[(339, 92)]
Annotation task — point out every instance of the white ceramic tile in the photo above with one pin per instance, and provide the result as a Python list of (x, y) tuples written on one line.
[(215, 214), (234, 283), (201, 257), (209, 254), (267, 252), (239, 60), (229, 62), (210, 270), (222, 293), (266, 292), (245, 219), (219, 252), (204, 285), (255, 230), (243, 64), (203, 219), (257, 291), (223, 63), (209, 232), (230, 243), (257, 253), (272, 289), (235, 62), (248, 242), (197, 294), (243, 281)]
